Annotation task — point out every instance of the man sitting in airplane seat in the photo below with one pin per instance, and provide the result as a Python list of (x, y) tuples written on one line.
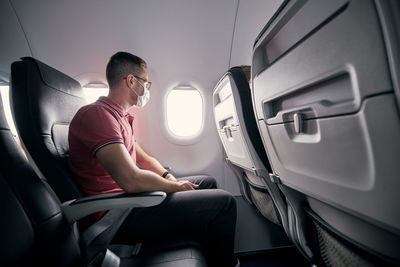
[(105, 158)]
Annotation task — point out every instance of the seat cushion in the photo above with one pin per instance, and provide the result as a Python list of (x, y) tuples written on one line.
[(15, 228), (176, 257)]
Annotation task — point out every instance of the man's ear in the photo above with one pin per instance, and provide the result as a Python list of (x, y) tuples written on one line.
[(129, 81)]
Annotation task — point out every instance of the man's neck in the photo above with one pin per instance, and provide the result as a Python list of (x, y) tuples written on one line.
[(120, 99)]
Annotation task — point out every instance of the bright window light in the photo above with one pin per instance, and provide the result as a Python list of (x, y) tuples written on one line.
[(184, 111), (93, 92), (4, 89)]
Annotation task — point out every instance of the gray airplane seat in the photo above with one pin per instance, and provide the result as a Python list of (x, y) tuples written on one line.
[(44, 102), (325, 89), (37, 230), (30, 216), (237, 129)]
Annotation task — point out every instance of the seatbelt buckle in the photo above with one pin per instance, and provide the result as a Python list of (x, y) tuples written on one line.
[(136, 249)]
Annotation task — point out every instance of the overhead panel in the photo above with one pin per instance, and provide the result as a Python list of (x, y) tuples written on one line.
[(251, 18), (13, 44), (185, 39)]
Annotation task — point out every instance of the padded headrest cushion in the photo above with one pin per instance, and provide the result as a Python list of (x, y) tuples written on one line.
[(57, 80)]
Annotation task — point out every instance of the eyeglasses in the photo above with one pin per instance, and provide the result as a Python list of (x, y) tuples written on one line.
[(146, 84)]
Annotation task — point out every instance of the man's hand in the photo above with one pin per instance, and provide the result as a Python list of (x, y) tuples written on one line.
[(185, 186)]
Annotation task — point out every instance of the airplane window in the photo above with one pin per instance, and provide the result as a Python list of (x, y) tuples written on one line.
[(93, 92), (5, 98), (184, 111), (4, 89)]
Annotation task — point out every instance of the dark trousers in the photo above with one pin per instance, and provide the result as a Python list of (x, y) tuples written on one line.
[(207, 212)]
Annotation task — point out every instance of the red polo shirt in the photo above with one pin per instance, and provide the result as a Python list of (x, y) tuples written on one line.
[(93, 127)]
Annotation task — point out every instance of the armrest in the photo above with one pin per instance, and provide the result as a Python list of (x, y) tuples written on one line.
[(78, 208)]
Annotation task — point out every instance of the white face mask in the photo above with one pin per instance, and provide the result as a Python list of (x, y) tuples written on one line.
[(142, 99)]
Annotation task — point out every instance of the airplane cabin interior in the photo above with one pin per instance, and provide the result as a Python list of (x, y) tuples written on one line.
[(292, 106)]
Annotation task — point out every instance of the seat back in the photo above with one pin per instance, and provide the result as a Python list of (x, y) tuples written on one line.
[(33, 229), (235, 121), (238, 132), (35, 232), (326, 95), (44, 102)]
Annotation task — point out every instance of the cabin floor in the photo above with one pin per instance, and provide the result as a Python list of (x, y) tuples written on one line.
[(259, 242)]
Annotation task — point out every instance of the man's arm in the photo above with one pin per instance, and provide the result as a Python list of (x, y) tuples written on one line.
[(117, 161), (147, 162)]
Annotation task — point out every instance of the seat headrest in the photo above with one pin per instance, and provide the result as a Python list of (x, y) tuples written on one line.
[(44, 101), (56, 79)]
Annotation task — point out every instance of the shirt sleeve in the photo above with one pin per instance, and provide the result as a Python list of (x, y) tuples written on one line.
[(97, 127)]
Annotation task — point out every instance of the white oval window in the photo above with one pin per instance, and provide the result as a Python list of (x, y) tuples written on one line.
[(184, 111)]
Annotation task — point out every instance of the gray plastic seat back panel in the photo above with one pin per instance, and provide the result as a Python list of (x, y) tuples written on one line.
[(326, 107), (238, 131), (229, 127)]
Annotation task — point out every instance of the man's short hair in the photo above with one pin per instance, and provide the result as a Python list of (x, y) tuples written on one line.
[(122, 64)]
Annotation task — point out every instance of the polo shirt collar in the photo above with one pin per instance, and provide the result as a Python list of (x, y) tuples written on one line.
[(109, 102)]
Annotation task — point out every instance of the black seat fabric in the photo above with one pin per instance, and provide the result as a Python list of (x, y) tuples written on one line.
[(34, 231), (44, 101), (16, 229)]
